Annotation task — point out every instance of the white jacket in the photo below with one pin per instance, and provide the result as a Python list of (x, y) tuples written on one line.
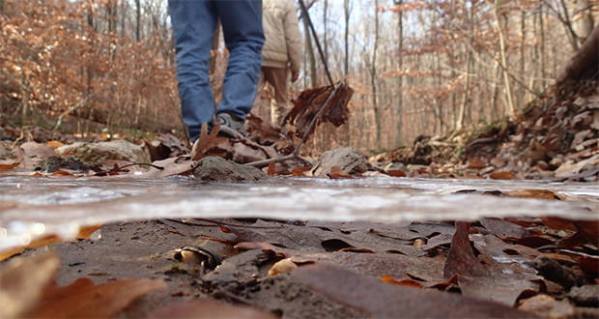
[(283, 45)]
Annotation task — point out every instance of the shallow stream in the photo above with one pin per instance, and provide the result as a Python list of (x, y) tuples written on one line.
[(31, 207)]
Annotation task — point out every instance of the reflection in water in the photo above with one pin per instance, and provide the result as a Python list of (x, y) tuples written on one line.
[(32, 206)]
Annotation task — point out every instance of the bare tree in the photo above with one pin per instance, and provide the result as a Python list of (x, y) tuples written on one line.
[(501, 21), (373, 74), (346, 13)]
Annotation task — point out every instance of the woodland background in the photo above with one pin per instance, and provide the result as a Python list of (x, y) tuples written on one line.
[(418, 67)]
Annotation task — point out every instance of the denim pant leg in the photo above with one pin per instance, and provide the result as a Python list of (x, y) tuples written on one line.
[(193, 24), (244, 37)]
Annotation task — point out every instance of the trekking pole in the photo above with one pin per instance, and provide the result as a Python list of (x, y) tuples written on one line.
[(320, 52)]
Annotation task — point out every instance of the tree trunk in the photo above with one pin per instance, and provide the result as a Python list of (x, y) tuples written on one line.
[(138, 20), (346, 12), (310, 52), (326, 33), (399, 108), (499, 17), (583, 20), (373, 75)]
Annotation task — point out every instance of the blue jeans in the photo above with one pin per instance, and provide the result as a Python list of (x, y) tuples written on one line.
[(194, 23)]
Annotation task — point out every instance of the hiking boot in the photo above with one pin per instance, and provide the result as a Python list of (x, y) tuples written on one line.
[(230, 125)]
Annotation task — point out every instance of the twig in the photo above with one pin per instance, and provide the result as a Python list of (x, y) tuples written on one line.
[(245, 140), (311, 126)]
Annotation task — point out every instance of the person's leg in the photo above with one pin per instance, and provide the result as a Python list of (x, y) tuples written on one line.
[(242, 28), (267, 80), (281, 101), (193, 27)]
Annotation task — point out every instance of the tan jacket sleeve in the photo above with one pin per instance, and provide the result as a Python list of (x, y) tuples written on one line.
[(293, 38)]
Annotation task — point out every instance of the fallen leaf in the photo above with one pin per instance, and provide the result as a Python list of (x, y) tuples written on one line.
[(300, 170), (503, 283), (84, 233), (23, 281), (503, 175), (378, 300), (84, 299), (558, 223), (55, 144), (476, 163), (396, 173), (533, 193), (272, 169), (8, 165), (406, 282), (338, 173), (206, 142), (504, 229), (310, 102)]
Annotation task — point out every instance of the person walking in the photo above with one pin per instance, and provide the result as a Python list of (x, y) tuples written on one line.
[(281, 54), (194, 23)]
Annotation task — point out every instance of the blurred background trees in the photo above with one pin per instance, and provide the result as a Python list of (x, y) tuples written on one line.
[(418, 67)]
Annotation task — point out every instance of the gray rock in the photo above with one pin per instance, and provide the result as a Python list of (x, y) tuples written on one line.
[(97, 153), (7, 152), (586, 296), (347, 159), (34, 153), (218, 169)]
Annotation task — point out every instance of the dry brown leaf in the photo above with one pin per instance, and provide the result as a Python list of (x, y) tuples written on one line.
[(396, 173), (309, 103), (533, 193), (55, 144), (300, 170), (406, 282), (8, 165), (84, 299), (558, 223), (206, 142), (502, 175), (502, 283), (476, 163), (272, 169), (338, 173), (84, 233), (23, 280)]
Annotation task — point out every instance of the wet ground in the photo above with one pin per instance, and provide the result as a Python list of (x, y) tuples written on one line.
[(31, 207), (222, 241)]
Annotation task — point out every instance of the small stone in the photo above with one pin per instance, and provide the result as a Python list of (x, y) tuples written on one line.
[(220, 170), (348, 160), (586, 296)]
